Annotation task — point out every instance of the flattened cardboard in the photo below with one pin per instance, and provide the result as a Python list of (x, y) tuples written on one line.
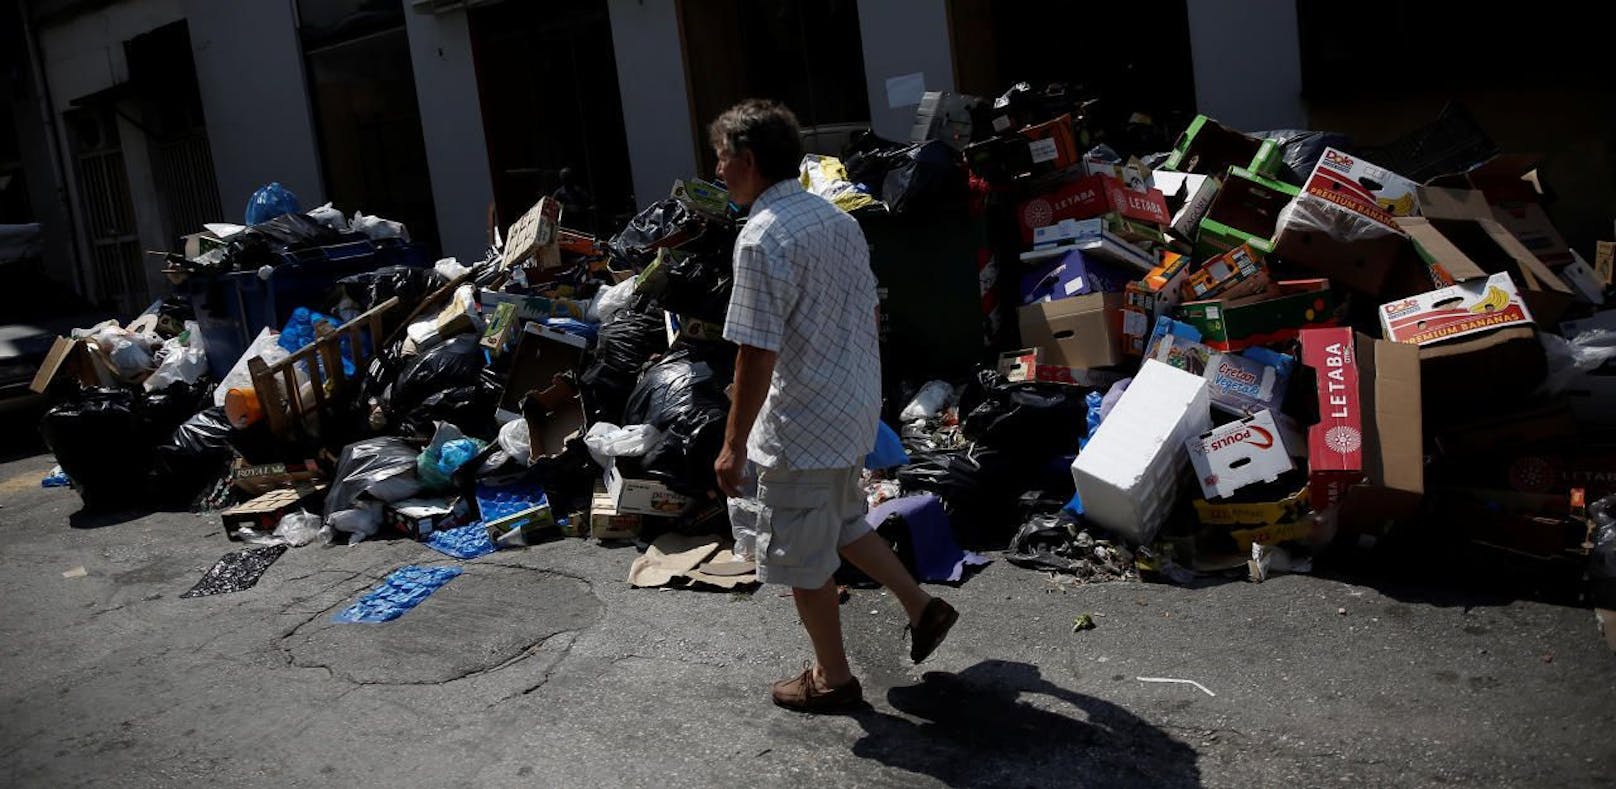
[(1082, 332), (535, 236), (1469, 307)]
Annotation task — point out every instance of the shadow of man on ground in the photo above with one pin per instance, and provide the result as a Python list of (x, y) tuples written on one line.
[(976, 730)]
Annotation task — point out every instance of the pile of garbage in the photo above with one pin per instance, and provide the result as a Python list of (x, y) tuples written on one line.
[(1250, 346)]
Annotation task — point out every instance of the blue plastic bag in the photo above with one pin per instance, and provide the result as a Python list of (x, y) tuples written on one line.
[(888, 450), (298, 333), (271, 201)]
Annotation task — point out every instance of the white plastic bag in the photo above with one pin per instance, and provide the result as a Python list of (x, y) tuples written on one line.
[(609, 301), (330, 217), (928, 402), (298, 528), (449, 268), (515, 441), (606, 441), (179, 360), (374, 227), (263, 346), (130, 354), (1571, 359)]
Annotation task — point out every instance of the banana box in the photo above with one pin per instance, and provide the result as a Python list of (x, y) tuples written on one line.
[(1470, 307)]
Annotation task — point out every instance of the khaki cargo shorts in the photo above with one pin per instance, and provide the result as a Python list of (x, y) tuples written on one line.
[(797, 521)]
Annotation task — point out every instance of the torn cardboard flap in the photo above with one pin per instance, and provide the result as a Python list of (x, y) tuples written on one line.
[(541, 355), (1476, 247)]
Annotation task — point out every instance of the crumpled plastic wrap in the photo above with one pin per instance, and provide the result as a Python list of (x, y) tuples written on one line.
[(1573, 358)]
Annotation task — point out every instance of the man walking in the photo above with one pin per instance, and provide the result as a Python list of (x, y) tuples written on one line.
[(807, 397)]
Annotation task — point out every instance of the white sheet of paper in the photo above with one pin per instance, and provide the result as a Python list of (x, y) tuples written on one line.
[(905, 90)]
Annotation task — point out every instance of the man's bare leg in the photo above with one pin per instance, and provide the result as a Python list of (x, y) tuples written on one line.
[(875, 558), (821, 616)]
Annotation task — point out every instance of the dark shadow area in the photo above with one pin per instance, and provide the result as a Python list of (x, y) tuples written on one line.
[(976, 730), (1454, 573), (19, 429), (96, 519)]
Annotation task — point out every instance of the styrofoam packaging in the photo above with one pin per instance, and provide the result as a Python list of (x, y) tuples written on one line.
[(1130, 473)]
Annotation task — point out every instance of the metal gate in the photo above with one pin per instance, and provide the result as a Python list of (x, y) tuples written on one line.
[(109, 214)]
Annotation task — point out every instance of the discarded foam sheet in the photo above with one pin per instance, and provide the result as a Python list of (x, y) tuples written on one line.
[(236, 571), (1128, 476), (403, 589), (467, 542)]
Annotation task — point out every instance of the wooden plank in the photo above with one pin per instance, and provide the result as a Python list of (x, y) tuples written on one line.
[(269, 395)]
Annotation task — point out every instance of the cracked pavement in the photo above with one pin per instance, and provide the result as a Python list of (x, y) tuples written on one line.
[(541, 666)]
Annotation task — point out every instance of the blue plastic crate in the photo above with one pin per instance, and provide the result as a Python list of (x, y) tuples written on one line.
[(231, 309)]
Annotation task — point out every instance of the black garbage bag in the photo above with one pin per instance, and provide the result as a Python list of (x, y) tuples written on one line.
[(164, 410), (664, 223), (1300, 151), (624, 345), (683, 396), (370, 473), (911, 179), (410, 284), (454, 363), (294, 231), (470, 408), (694, 286), (1061, 543), (193, 458), (979, 487), (1039, 420), (1602, 559), (98, 441)]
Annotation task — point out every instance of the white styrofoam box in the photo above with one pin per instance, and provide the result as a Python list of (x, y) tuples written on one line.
[(1128, 476)]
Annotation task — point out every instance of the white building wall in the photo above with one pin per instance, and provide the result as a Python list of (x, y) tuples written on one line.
[(656, 100), (452, 125), (1248, 63), (902, 38)]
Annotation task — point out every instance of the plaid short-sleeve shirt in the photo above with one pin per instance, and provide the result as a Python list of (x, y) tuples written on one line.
[(804, 289)]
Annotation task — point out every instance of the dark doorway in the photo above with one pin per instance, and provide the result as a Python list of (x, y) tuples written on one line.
[(167, 105), (362, 86), (1133, 56), (806, 54), (547, 78)]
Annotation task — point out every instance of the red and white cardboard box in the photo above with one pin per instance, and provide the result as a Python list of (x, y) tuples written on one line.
[(1240, 453), (1334, 445), (1469, 307), (1089, 197), (1372, 192)]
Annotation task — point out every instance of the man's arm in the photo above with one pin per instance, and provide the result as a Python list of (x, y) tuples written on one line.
[(754, 369)]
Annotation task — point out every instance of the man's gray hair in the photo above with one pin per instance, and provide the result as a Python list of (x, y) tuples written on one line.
[(767, 129)]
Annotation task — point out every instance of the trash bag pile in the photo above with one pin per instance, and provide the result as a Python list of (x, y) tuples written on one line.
[(1180, 359)]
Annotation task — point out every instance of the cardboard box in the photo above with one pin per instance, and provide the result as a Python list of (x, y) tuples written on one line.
[(1150, 297), (1209, 148), (702, 196), (1089, 197), (1470, 307), (1189, 196), (529, 526), (1238, 272), (1097, 378), (1605, 261), (606, 523), (642, 496), (1081, 332), (1243, 452), (1509, 184), (1095, 238), (1461, 242), (542, 356), (1237, 324), (79, 358), (260, 479), (1000, 159), (1072, 274), (1019, 366), (1548, 425), (1244, 212), (1128, 475), (1348, 198), (458, 316), (264, 512), (534, 308), (535, 236), (1590, 397), (501, 327), (1366, 452), (418, 518), (1255, 513), (1476, 375), (1052, 145), (1237, 384)]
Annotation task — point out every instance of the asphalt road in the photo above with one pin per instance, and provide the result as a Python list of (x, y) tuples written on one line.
[(540, 666)]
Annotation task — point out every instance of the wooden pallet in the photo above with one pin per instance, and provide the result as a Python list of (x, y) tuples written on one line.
[(290, 416)]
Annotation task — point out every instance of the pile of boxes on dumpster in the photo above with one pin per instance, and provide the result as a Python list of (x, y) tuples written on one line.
[(1247, 343)]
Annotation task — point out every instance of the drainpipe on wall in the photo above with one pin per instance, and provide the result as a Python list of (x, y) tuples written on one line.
[(36, 60)]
